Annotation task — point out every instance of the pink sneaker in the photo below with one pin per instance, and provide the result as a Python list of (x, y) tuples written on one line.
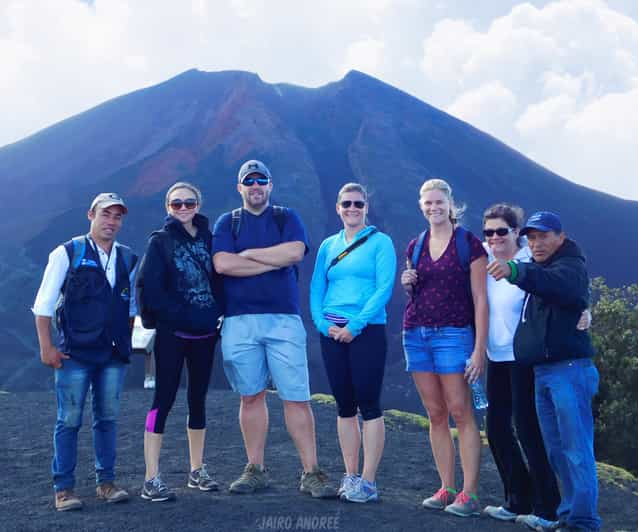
[(440, 499)]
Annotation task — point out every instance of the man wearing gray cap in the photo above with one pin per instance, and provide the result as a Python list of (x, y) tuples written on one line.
[(565, 378), (88, 286), (256, 249)]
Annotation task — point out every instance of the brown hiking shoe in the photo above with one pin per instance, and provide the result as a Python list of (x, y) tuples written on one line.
[(66, 500), (316, 483), (109, 492), (252, 479)]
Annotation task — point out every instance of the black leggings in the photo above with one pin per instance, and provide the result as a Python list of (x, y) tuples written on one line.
[(528, 488), (355, 371), (170, 353)]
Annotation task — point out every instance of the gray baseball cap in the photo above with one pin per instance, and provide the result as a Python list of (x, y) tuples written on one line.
[(253, 167), (108, 199)]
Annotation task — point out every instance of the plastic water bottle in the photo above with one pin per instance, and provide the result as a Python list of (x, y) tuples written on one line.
[(479, 399)]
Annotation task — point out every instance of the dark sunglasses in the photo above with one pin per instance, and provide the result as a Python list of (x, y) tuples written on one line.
[(346, 204), (501, 231), (177, 204), (250, 181)]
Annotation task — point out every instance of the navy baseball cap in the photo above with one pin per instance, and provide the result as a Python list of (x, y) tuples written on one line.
[(544, 221), (253, 167)]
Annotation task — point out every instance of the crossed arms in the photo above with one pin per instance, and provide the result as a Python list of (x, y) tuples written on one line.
[(254, 261)]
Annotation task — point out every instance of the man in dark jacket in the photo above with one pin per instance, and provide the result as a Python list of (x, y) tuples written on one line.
[(557, 286), (88, 287)]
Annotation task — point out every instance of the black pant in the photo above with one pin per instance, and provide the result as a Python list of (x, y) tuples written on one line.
[(170, 353), (355, 371), (510, 393)]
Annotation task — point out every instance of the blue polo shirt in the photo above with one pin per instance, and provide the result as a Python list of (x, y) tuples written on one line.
[(274, 292)]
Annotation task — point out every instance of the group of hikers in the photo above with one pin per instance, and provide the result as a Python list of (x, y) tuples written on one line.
[(520, 297)]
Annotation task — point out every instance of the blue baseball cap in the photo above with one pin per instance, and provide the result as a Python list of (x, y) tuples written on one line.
[(544, 221), (253, 167)]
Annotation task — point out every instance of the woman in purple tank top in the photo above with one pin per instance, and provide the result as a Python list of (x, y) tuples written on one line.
[(445, 328)]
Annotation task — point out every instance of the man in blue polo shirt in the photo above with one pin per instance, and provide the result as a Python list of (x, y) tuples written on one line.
[(256, 249)]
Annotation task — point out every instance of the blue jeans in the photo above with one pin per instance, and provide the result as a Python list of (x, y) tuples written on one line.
[(564, 392), (72, 382)]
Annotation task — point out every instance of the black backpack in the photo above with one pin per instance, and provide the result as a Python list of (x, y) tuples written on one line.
[(149, 320)]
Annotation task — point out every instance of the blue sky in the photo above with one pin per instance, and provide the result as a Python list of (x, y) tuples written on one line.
[(557, 80)]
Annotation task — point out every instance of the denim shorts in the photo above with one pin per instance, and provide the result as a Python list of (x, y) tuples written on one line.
[(258, 346), (437, 349)]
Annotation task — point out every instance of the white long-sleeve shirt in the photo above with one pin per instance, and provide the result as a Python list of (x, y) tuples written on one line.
[(55, 273), (505, 304)]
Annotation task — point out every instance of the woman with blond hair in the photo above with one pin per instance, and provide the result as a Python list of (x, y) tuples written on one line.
[(444, 339)]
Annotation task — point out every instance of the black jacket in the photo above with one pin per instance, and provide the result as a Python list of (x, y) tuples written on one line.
[(179, 288), (557, 293)]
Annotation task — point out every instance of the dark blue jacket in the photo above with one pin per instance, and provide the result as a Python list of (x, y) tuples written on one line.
[(92, 318), (179, 289), (557, 293)]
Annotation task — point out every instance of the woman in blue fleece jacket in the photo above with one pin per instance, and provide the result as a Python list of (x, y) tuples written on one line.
[(347, 301)]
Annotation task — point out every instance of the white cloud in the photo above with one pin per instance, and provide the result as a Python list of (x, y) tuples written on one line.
[(492, 100), (572, 66), (366, 55)]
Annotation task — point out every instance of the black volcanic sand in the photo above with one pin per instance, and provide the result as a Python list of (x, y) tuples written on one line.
[(406, 475)]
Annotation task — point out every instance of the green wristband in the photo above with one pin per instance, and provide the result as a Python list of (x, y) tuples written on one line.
[(514, 267)]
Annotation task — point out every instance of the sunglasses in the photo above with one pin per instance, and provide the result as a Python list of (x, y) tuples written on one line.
[(177, 204), (501, 231), (250, 181), (346, 204)]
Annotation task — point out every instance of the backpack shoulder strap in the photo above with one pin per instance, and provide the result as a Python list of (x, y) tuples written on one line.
[(75, 250), (462, 241), (418, 249), (279, 213), (235, 221)]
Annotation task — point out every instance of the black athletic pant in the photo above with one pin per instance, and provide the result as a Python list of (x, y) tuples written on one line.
[(170, 353), (530, 488), (355, 371)]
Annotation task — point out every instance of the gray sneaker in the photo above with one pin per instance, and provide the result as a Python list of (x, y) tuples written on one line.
[(533, 522), (465, 505), (155, 490), (348, 482), (200, 478), (316, 483), (500, 513), (252, 479)]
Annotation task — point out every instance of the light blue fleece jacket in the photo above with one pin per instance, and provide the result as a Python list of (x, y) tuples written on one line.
[(359, 286)]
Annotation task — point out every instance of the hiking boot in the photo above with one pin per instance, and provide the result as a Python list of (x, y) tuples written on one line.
[(109, 492), (348, 482), (66, 500), (316, 483), (500, 513), (533, 522), (155, 490), (440, 499), (252, 479), (363, 491), (200, 478), (465, 505)]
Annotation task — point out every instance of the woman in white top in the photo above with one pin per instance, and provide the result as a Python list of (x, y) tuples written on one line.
[(531, 491)]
